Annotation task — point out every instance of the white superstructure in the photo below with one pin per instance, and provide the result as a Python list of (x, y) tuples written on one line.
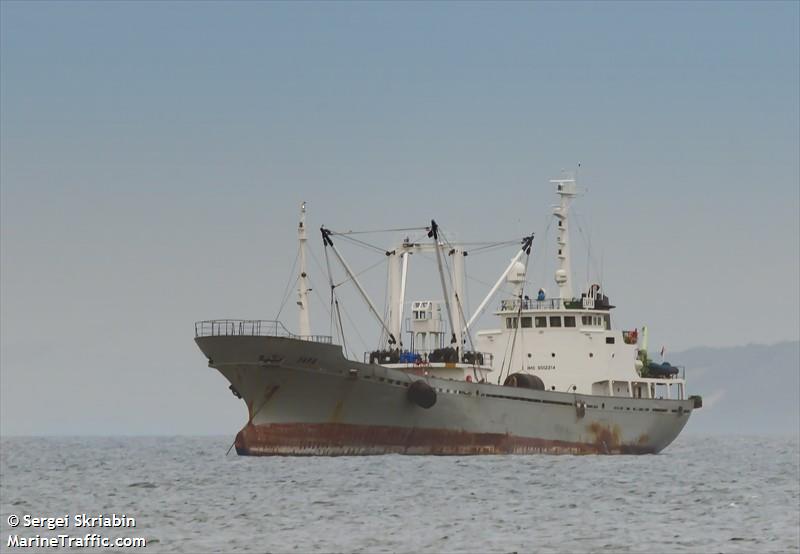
[(566, 341)]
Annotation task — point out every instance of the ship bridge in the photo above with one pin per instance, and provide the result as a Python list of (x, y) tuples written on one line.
[(589, 313)]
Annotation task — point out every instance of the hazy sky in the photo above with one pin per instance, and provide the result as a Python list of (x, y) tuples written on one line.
[(153, 156)]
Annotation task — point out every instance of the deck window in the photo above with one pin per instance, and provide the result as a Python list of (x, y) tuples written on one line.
[(586, 320), (569, 321), (540, 321), (609, 340), (509, 325), (555, 321), (526, 323)]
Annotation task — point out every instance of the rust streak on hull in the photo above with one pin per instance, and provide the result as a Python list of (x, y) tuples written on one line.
[(338, 439)]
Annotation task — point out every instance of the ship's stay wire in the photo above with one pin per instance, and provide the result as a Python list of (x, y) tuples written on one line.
[(319, 296), (591, 261), (355, 328), (518, 324), (502, 289), (336, 319), (459, 304), (489, 247), (399, 230), (289, 284), (362, 243), (360, 273), (335, 304), (383, 335)]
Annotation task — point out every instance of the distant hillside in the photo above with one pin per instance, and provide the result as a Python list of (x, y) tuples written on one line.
[(746, 389)]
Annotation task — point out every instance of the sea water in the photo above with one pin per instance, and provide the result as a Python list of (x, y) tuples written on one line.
[(702, 494)]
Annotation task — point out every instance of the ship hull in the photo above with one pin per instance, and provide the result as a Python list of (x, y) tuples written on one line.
[(306, 399)]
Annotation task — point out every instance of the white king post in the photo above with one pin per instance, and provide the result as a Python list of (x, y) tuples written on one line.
[(302, 289), (565, 188)]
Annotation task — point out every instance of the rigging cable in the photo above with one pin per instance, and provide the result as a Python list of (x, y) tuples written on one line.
[(383, 337), (459, 306), (518, 319), (363, 244), (402, 229), (489, 247), (289, 284), (591, 261), (373, 266), (319, 296), (355, 328), (334, 300)]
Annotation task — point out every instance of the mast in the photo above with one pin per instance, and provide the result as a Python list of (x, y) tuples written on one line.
[(395, 294), (302, 281), (398, 271), (434, 233), (565, 188), (402, 300), (458, 294)]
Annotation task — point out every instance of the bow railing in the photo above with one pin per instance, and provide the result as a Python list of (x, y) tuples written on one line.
[(251, 328)]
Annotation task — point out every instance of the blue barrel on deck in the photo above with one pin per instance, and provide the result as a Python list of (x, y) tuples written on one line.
[(409, 357)]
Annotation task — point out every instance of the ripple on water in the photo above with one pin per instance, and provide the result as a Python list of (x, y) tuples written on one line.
[(701, 494)]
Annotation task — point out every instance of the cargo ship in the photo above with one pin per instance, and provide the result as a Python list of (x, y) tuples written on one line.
[(553, 376)]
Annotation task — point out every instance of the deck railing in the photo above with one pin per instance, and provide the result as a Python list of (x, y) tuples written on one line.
[(250, 328), (531, 304), (583, 303)]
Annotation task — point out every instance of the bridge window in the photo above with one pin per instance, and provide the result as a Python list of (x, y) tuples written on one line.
[(540, 321), (511, 322), (526, 323), (569, 321), (555, 321)]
